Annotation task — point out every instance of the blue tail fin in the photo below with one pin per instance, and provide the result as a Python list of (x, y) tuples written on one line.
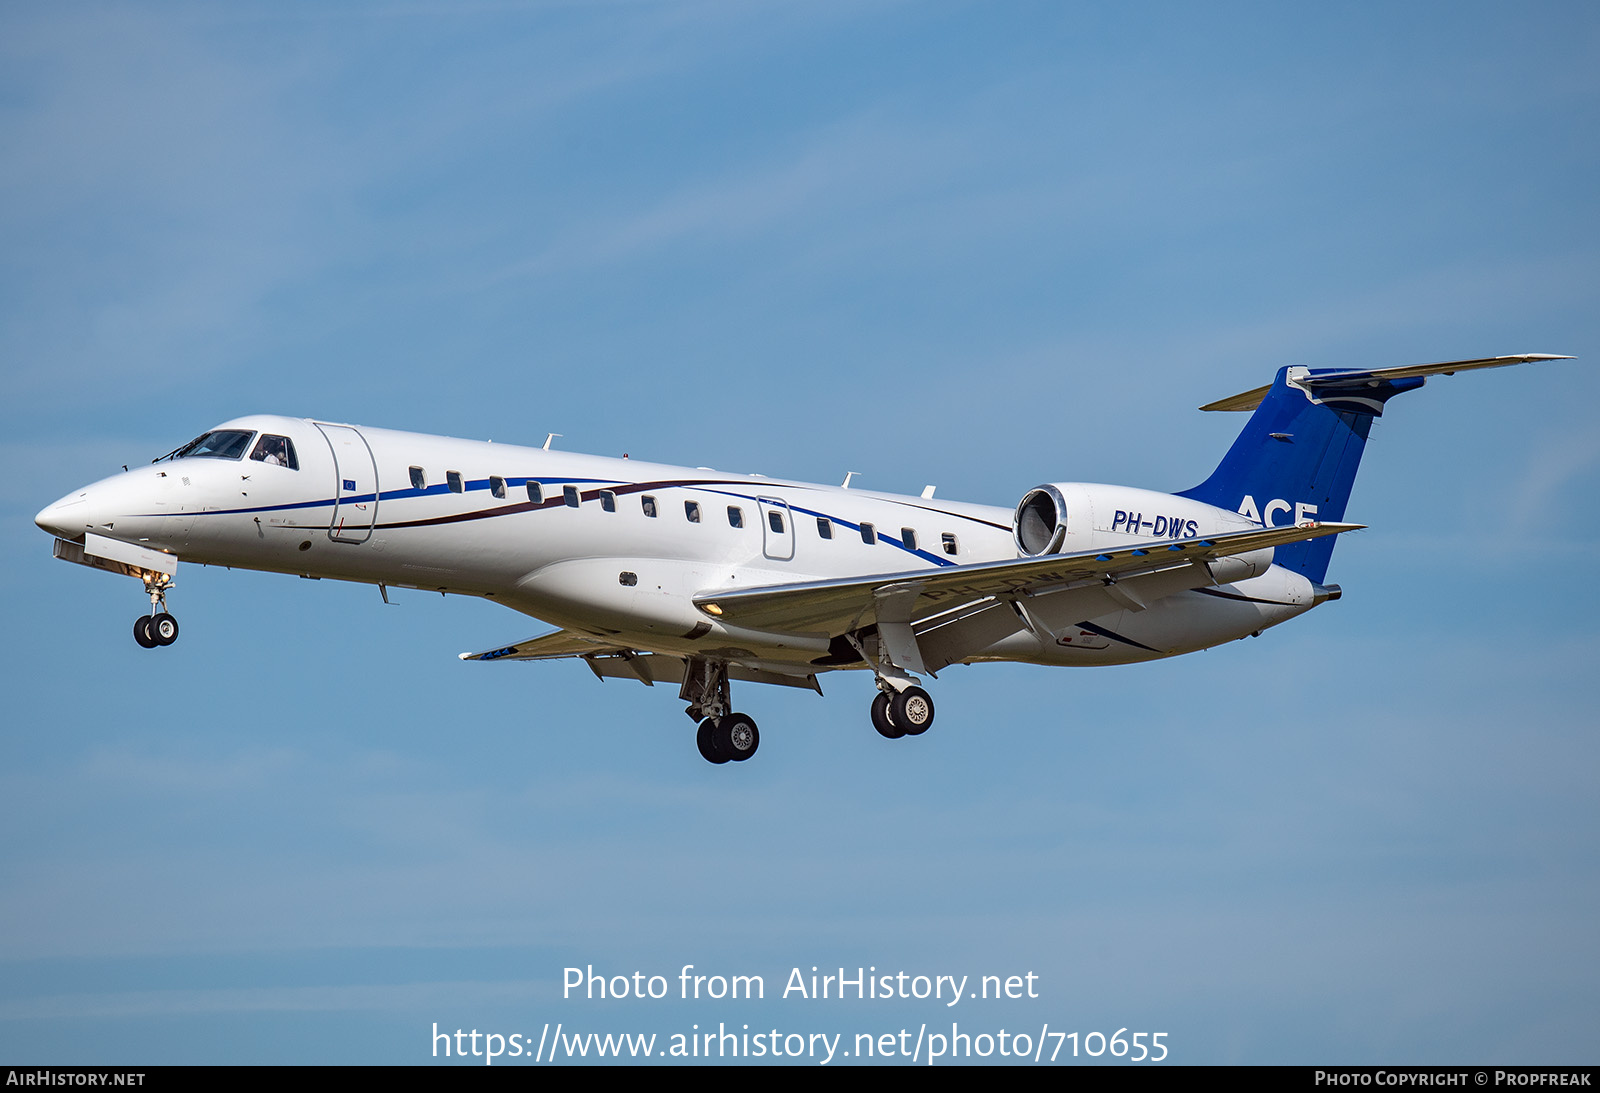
[(1297, 456)]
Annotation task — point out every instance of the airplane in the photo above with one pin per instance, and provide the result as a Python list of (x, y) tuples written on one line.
[(693, 577)]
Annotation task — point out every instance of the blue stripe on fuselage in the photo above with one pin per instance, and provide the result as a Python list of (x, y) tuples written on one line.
[(483, 484)]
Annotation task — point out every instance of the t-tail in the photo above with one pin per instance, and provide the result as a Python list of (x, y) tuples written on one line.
[(1296, 459)]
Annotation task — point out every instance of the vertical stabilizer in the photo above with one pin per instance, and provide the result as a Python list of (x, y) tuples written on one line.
[(1297, 456), (1296, 459)]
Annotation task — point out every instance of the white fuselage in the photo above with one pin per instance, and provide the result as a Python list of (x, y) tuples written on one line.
[(584, 552)]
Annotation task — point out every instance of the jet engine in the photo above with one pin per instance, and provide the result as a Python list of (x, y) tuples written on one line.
[(1040, 525)]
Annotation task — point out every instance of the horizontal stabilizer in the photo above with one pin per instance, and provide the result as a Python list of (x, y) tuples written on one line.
[(1249, 400)]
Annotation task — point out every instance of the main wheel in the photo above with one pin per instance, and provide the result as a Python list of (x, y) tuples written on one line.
[(739, 737), (706, 738), (912, 710), (163, 629), (141, 632), (882, 720)]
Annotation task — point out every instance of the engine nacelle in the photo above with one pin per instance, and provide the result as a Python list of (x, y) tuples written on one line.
[(1067, 517), (1040, 524)]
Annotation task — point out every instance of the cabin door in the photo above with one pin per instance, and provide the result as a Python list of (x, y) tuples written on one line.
[(355, 472)]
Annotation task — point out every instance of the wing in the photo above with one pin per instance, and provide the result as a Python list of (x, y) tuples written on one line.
[(837, 606), (608, 660), (552, 646)]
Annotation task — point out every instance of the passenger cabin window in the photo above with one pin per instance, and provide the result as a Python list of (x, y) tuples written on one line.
[(691, 511), (570, 494), (608, 500), (648, 503), (775, 521), (497, 486), (219, 444), (735, 516), (419, 478), (949, 541), (275, 451), (535, 493), (909, 538), (454, 478), (824, 527), (869, 534)]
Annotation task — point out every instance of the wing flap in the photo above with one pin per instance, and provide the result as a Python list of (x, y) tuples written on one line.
[(838, 606)]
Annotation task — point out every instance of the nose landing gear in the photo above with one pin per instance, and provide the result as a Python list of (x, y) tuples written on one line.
[(158, 627)]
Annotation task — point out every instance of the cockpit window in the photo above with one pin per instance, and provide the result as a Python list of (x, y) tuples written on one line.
[(277, 451), (218, 444)]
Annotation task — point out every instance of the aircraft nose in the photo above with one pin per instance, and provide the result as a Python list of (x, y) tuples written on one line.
[(67, 518)]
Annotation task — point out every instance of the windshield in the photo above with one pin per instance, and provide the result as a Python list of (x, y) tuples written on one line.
[(218, 444)]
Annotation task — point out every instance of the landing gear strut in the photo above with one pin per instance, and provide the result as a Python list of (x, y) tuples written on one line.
[(158, 627), (723, 735)]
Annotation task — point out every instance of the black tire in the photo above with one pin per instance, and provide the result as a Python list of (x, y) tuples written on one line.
[(912, 710), (738, 736), (141, 632), (163, 629), (710, 746), (883, 721)]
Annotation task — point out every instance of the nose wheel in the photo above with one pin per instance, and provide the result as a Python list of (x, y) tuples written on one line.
[(158, 627)]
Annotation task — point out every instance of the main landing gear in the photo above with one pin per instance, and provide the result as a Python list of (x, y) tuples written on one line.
[(723, 735), (158, 627), (901, 709), (902, 713), (734, 737)]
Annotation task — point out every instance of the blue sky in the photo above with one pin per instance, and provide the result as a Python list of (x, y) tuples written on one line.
[(982, 246)]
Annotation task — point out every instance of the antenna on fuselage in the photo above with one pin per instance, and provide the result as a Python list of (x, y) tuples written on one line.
[(847, 477), (927, 493), (548, 438)]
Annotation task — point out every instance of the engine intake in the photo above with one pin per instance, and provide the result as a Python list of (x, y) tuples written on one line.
[(1040, 524)]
